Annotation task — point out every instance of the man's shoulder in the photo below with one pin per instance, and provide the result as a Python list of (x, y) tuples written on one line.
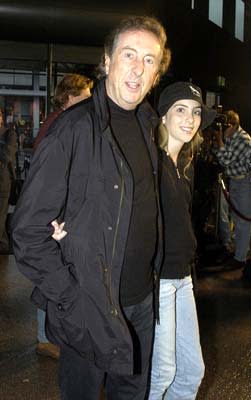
[(77, 115), (245, 135), (79, 110)]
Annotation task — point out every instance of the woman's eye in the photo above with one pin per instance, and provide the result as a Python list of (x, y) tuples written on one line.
[(197, 112), (180, 109)]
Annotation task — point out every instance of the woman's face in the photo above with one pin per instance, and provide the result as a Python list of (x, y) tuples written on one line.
[(182, 120)]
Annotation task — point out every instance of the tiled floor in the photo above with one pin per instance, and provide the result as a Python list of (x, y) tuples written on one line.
[(224, 308)]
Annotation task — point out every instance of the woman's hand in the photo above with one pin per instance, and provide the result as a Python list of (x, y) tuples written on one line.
[(59, 232)]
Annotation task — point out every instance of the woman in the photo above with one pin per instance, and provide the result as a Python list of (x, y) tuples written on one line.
[(177, 363)]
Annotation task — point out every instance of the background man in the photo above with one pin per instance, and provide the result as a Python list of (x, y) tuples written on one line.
[(72, 89), (96, 170), (234, 154)]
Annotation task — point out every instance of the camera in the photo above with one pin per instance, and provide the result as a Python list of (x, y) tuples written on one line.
[(220, 123)]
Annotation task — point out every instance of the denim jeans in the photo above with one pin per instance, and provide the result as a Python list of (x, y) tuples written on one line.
[(240, 195), (177, 363), (41, 336), (80, 379), (224, 221)]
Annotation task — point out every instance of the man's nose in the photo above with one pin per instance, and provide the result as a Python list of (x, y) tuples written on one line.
[(138, 67)]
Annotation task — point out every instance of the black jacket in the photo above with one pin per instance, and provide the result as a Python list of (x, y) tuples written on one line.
[(78, 174)]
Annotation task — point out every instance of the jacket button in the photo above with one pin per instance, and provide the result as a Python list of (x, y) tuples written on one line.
[(116, 186), (114, 312), (60, 307), (109, 228), (115, 351)]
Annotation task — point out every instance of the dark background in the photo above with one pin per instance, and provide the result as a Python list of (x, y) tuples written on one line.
[(201, 50)]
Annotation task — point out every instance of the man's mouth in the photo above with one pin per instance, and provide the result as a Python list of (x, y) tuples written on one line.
[(133, 85)]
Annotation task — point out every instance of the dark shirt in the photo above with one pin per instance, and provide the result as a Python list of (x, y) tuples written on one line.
[(179, 238), (137, 271)]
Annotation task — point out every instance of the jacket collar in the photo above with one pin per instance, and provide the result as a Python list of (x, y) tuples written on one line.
[(144, 110)]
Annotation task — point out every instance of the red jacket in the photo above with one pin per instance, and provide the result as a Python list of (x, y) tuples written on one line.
[(44, 128)]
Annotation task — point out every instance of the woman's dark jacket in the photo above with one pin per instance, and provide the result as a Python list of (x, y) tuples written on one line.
[(176, 186), (79, 175)]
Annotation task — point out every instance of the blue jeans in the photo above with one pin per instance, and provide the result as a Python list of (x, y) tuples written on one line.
[(41, 336), (177, 363), (80, 379), (240, 195)]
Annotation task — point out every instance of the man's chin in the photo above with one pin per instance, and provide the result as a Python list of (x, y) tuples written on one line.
[(133, 101)]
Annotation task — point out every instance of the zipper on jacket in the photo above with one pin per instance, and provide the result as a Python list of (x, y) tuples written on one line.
[(120, 207), (106, 281), (115, 310)]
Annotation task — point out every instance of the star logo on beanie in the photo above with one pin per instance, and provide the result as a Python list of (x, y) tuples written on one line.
[(194, 91)]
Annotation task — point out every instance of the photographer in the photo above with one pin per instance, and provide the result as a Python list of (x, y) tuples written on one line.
[(233, 151)]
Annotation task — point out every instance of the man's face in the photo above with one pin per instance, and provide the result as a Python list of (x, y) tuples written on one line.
[(132, 68), (230, 130)]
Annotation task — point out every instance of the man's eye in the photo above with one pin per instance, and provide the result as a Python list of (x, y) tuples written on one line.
[(129, 55), (149, 60)]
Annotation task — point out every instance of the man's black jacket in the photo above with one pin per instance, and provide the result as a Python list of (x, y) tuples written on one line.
[(79, 175)]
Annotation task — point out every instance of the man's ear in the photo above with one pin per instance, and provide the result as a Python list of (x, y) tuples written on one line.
[(107, 64), (70, 98), (69, 102)]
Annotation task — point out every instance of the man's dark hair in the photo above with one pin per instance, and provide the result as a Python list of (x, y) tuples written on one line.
[(137, 23), (71, 84)]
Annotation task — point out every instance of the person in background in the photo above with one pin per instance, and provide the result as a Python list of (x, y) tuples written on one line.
[(177, 363), (233, 151), (8, 148), (96, 169), (72, 89)]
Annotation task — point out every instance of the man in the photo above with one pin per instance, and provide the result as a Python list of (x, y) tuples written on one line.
[(96, 170), (234, 154), (72, 89)]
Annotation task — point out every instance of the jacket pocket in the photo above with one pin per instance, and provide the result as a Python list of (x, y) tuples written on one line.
[(67, 325)]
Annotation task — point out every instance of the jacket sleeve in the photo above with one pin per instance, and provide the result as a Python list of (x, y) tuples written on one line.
[(42, 200)]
